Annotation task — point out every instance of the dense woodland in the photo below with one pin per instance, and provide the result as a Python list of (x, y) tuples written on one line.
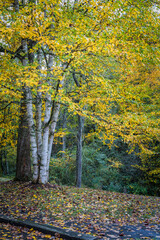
[(79, 97)]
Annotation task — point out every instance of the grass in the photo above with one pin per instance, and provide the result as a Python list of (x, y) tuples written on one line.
[(5, 179)]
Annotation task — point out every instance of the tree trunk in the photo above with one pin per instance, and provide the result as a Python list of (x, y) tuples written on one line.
[(43, 165), (50, 122), (39, 114), (54, 119), (1, 162), (6, 163), (23, 163), (79, 152), (79, 144), (48, 105), (32, 135), (64, 137)]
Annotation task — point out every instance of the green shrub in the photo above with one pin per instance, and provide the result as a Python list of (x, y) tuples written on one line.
[(62, 170), (99, 169)]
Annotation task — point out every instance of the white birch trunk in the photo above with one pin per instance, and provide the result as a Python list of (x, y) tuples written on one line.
[(43, 164), (39, 127), (52, 131), (32, 134), (54, 119), (39, 113), (43, 178), (30, 118)]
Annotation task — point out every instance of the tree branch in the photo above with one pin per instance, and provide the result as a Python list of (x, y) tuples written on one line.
[(14, 54)]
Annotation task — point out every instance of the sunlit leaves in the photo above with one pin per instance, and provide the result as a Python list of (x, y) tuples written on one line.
[(113, 46)]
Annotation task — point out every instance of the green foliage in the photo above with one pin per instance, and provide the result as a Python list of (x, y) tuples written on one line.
[(97, 172), (8, 161), (111, 169), (62, 170), (137, 188)]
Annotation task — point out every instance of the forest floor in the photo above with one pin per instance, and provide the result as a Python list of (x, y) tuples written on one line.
[(106, 215)]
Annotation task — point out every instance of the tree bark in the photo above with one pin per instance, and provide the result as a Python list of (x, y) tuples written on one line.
[(39, 114), (48, 105), (32, 135), (6, 162), (79, 144), (23, 161), (43, 165), (79, 152), (54, 118), (64, 137), (1, 162)]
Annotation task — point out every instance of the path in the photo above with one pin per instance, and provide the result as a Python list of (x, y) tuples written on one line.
[(151, 232)]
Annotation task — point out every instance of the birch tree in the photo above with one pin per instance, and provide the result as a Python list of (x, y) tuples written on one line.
[(87, 36)]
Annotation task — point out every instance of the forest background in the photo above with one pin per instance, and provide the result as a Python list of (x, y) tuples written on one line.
[(80, 93)]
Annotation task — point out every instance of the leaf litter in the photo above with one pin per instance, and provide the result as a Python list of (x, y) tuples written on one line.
[(96, 212), (15, 232)]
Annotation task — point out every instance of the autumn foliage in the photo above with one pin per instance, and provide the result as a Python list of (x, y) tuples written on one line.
[(112, 48)]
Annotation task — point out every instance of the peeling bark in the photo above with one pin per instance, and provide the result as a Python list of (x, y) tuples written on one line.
[(32, 135), (48, 104), (39, 114)]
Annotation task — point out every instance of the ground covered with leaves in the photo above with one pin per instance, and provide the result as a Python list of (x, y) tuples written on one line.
[(8, 231), (89, 211)]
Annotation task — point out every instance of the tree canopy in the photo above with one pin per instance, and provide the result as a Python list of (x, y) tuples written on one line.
[(100, 59)]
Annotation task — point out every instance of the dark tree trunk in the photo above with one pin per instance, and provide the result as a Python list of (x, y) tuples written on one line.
[(23, 165), (79, 151), (6, 162), (1, 162)]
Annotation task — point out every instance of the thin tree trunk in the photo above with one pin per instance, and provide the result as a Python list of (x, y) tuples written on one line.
[(6, 162), (79, 143), (53, 127), (52, 131), (64, 137), (1, 162), (39, 114), (79, 152), (54, 119)]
